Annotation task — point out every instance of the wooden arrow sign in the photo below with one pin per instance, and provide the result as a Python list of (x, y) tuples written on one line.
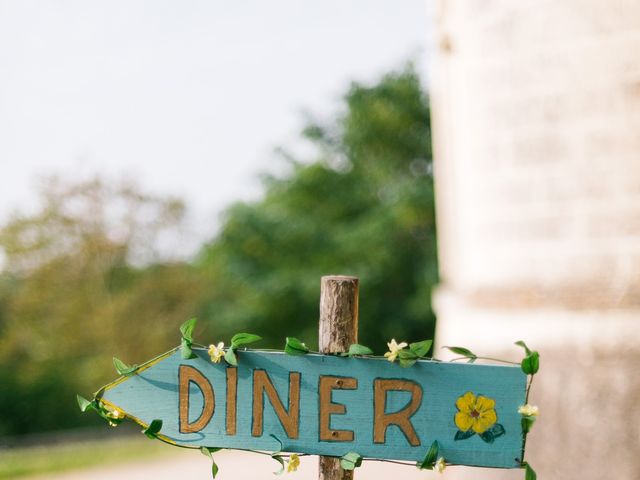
[(330, 405)]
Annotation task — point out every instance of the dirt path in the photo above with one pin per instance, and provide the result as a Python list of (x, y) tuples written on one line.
[(233, 465)]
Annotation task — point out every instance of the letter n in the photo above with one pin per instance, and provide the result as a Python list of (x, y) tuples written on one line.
[(290, 417)]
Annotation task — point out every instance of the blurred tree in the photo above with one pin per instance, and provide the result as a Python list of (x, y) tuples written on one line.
[(71, 296), (364, 206), (83, 279)]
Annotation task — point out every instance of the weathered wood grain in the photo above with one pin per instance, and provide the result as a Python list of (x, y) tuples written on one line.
[(338, 330)]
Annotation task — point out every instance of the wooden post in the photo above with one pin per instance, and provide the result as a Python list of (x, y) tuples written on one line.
[(338, 330)]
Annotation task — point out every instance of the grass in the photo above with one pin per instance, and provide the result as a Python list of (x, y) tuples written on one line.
[(22, 462)]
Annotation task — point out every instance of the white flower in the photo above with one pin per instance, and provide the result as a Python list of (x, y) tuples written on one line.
[(216, 352), (114, 413), (440, 465), (528, 410), (294, 463), (394, 349)]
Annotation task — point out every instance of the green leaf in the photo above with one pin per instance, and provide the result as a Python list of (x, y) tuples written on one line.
[(243, 339), (464, 352), (209, 453), (531, 363), (83, 403), (122, 368), (294, 346), (357, 349), (421, 348), (407, 358), (280, 460), (405, 363), (529, 473), (351, 461), (99, 394), (460, 435), (230, 357), (186, 329), (152, 430), (487, 436), (520, 343), (185, 350), (430, 458), (497, 430), (526, 423)]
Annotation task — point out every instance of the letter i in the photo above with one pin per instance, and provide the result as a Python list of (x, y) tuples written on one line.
[(232, 396)]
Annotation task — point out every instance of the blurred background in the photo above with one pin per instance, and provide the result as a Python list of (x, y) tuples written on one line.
[(165, 160)]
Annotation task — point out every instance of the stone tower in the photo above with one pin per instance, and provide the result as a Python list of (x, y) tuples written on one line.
[(536, 113)]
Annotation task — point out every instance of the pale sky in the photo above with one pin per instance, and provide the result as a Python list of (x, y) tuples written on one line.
[(190, 97)]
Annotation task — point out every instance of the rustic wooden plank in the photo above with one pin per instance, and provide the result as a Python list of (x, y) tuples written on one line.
[(154, 393), (338, 330)]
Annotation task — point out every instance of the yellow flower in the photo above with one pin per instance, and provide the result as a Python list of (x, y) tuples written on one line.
[(440, 465), (528, 410), (394, 349), (294, 463), (216, 352), (475, 413)]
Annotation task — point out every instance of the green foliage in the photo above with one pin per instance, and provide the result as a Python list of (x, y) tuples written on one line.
[(497, 430), (83, 403), (361, 204), (521, 343), (80, 283), (460, 435), (240, 339), (276, 455), (214, 468), (153, 429), (407, 358), (356, 349), (186, 329), (122, 368), (293, 346), (207, 451), (230, 357), (464, 352), (351, 461), (278, 458), (531, 363), (186, 342), (529, 473), (527, 422), (420, 349), (83, 277), (430, 458), (186, 352)]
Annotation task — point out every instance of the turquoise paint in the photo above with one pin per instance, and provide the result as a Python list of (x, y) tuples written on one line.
[(153, 393)]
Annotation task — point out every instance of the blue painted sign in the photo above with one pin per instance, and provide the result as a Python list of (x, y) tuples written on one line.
[(329, 405)]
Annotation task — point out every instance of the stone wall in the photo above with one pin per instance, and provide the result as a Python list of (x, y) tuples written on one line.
[(536, 113)]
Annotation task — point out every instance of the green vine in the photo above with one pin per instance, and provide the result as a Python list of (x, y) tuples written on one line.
[(238, 340)]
